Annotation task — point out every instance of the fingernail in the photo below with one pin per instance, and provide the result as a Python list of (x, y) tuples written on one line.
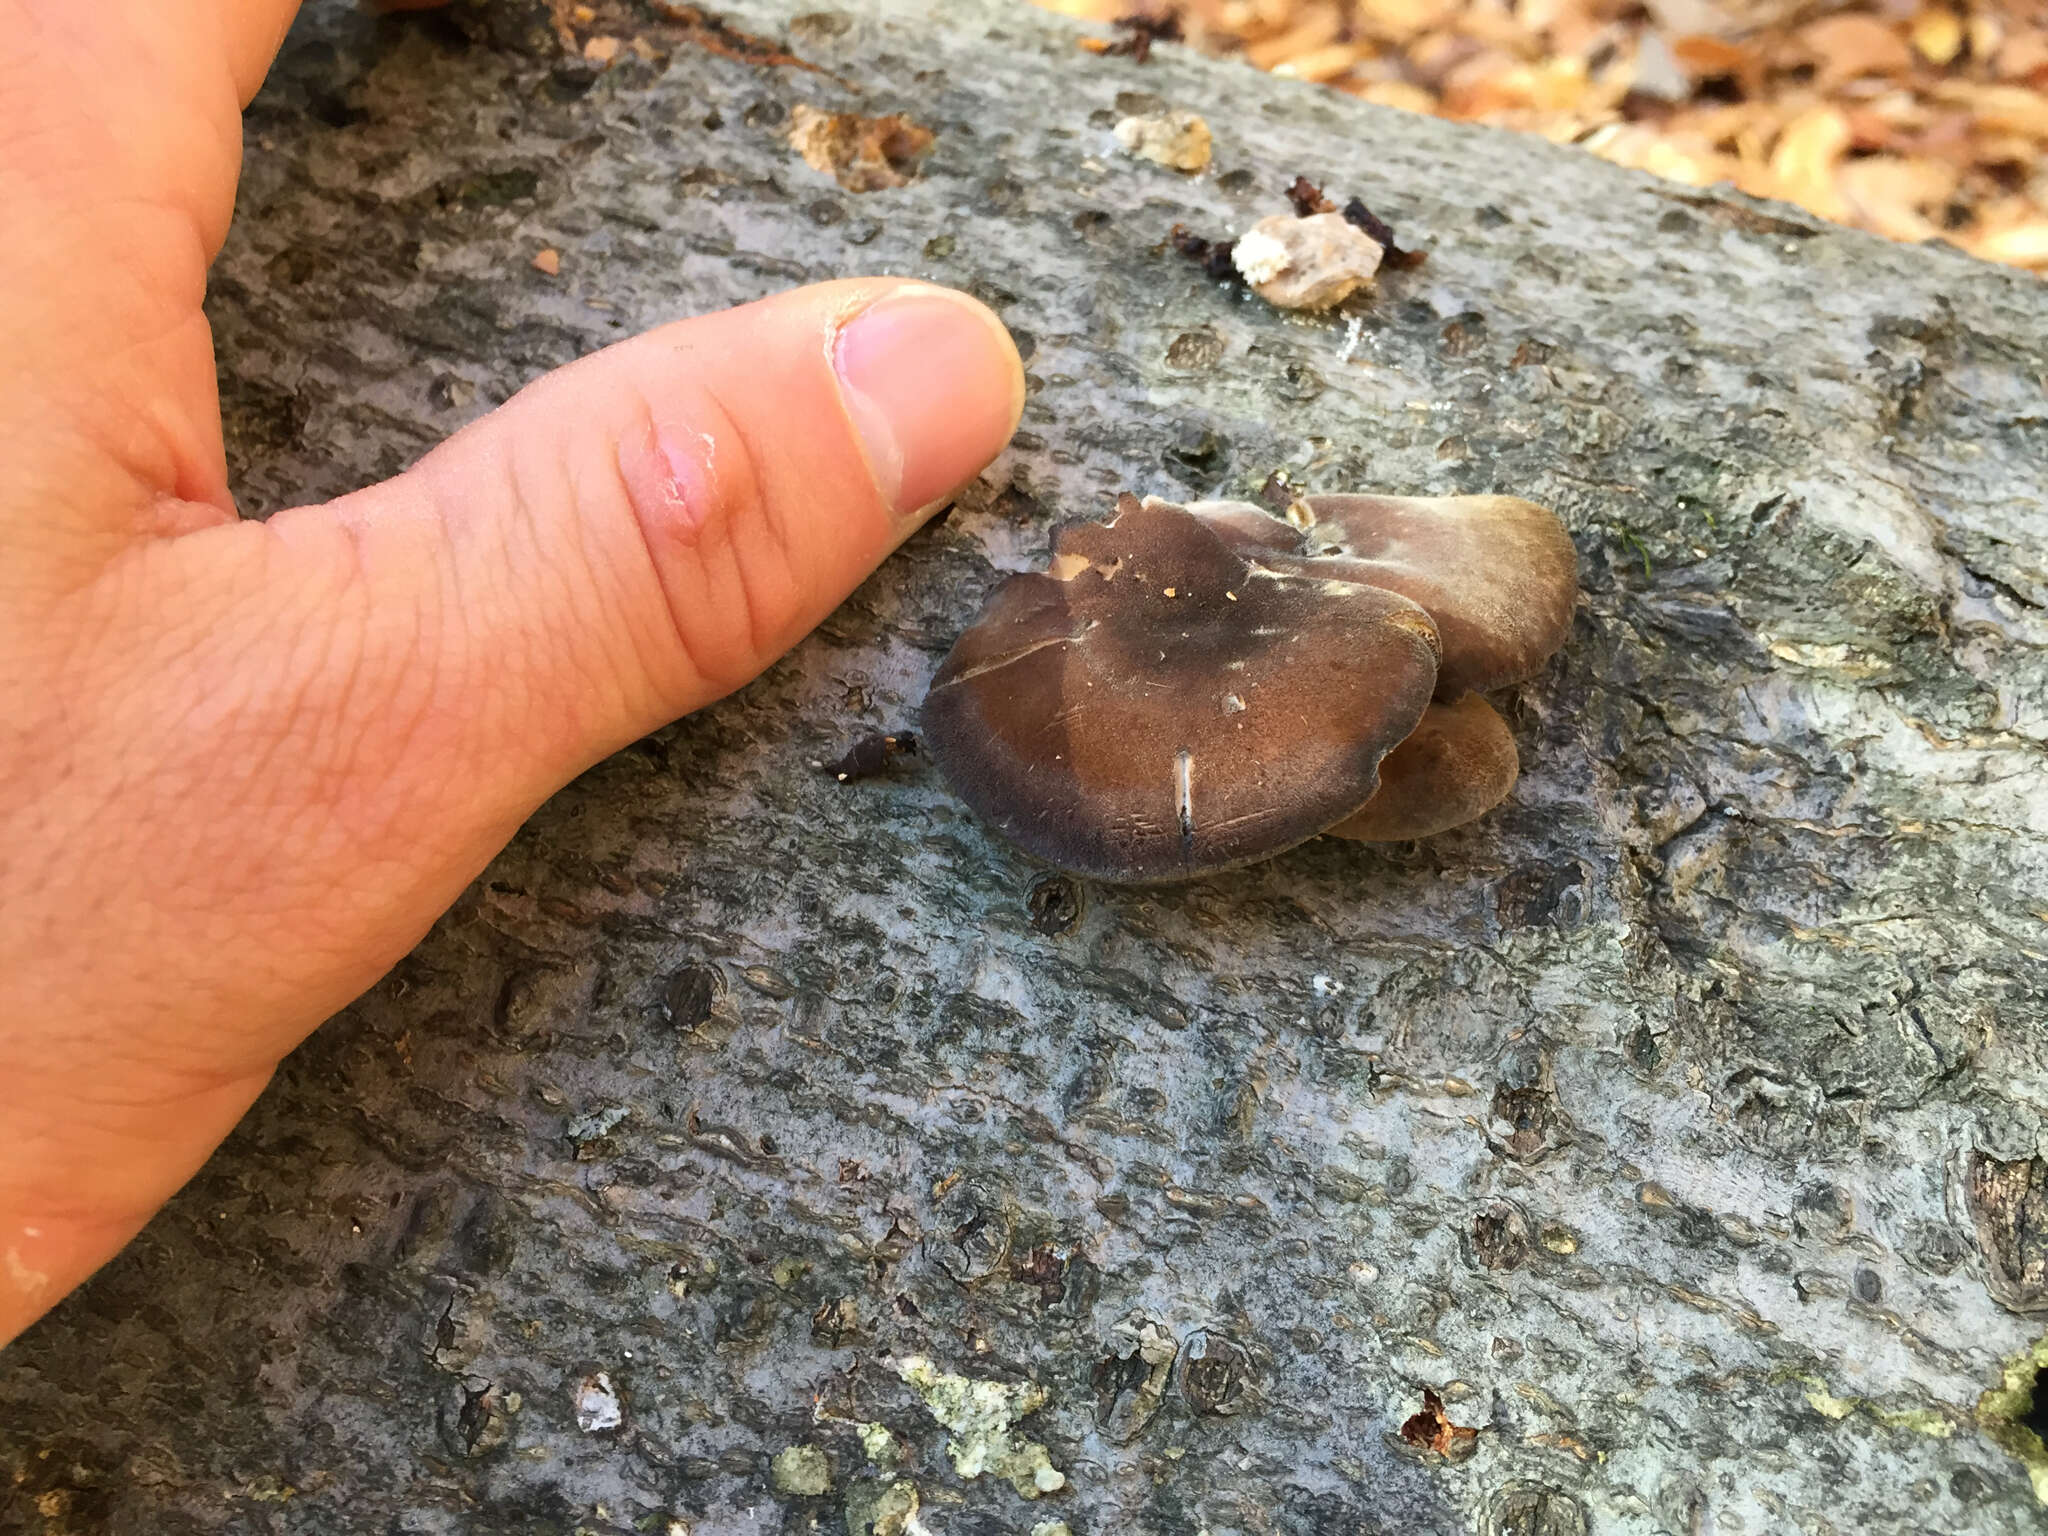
[(933, 386)]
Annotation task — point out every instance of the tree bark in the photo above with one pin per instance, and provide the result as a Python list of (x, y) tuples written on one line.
[(1680, 1124)]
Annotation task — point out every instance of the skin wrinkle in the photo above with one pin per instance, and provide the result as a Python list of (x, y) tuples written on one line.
[(111, 407), (732, 492), (273, 714), (690, 527), (746, 510), (336, 736), (583, 610)]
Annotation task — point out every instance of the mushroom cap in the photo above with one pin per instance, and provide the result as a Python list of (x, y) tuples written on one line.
[(1458, 765), (1163, 709), (1248, 529), (1498, 574)]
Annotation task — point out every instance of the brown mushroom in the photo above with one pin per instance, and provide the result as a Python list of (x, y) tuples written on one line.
[(1498, 574), (1155, 707), (1458, 765)]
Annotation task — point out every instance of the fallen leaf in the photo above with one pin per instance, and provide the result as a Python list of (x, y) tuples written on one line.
[(1398, 20), (1937, 36), (1709, 58), (2023, 56), (1324, 64), (1317, 28), (1803, 163), (1431, 1431), (1892, 195), (2023, 245), (2001, 108), (1850, 45), (1398, 94)]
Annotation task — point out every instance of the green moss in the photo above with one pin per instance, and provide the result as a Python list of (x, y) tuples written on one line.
[(2003, 1412)]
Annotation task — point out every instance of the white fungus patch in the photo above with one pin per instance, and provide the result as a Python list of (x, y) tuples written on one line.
[(1259, 256)]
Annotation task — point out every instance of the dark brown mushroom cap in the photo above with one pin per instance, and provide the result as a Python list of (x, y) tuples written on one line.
[(1165, 710), (1458, 765), (1498, 574)]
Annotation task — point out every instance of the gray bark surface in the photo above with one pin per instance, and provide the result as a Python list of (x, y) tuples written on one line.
[(1682, 1124)]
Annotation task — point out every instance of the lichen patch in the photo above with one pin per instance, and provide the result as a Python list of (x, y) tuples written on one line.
[(981, 1416), (1178, 140)]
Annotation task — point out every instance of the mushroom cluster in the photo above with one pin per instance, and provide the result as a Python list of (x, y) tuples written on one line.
[(1190, 688)]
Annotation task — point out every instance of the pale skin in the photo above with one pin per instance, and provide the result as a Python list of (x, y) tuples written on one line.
[(244, 765)]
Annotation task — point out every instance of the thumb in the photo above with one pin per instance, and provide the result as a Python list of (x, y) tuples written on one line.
[(357, 703), (645, 530)]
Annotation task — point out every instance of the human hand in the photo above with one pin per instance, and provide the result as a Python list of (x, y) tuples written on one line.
[(243, 766)]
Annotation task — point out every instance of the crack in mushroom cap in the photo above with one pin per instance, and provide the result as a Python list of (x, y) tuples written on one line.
[(1458, 765), (1497, 573), (1154, 707)]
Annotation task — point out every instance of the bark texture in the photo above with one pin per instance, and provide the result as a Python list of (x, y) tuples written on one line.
[(1680, 1125)]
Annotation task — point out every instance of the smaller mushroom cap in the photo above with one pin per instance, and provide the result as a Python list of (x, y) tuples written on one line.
[(1497, 573), (1248, 529), (1155, 708), (1459, 764)]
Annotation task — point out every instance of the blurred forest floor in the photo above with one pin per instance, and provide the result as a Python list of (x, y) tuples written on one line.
[(1915, 120)]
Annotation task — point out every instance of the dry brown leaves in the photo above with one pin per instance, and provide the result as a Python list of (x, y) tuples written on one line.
[(1917, 119)]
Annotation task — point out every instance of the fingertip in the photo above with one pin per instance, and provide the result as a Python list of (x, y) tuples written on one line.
[(934, 388)]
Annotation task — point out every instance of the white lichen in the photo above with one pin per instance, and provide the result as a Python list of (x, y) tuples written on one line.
[(1178, 140), (981, 1416), (1354, 334), (597, 1405)]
